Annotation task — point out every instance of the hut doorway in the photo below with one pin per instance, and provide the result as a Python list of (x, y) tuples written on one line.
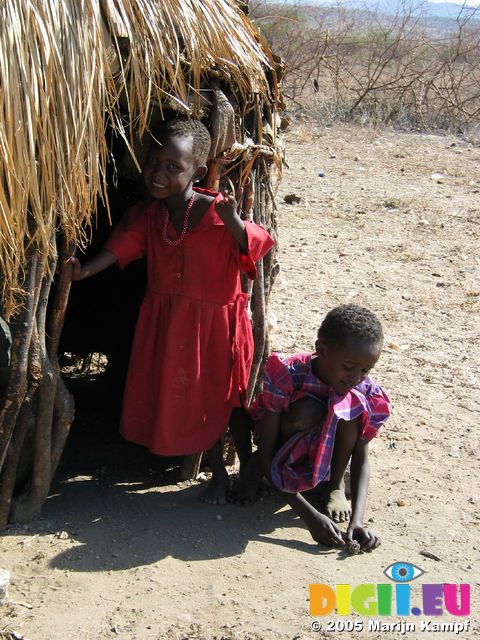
[(102, 310), (95, 347)]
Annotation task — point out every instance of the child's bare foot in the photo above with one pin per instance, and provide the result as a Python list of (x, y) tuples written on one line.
[(337, 506), (266, 489), (216, 492), (245, 489)]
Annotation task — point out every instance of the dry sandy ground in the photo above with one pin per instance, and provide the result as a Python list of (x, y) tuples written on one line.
[(122, 552)]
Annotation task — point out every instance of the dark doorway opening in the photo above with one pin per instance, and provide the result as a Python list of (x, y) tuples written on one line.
[(94, 351)]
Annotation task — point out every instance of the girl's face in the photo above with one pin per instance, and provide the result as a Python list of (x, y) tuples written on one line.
[(344, 367), (170, 168)]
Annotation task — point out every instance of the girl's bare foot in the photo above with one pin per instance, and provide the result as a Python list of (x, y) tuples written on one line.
[(248, 491), (216, 492), (337, 506), (244, 491), (246, 488)]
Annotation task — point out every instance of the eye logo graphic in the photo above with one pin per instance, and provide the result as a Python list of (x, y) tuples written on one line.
[(403, 571), (391, 599)]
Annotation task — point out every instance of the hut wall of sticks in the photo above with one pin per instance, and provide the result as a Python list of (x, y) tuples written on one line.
[(76, 76)]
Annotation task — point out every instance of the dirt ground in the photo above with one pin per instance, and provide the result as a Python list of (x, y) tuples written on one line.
[(123, 551)]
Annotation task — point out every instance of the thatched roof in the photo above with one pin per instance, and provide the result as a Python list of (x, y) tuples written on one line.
[(69, 68)]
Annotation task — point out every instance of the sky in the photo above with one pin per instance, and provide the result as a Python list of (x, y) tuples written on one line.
[(470, 3)]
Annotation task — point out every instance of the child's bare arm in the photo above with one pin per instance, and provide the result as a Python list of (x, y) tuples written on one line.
[(360, 475), (100, 262), (227, 211), (322, 529)]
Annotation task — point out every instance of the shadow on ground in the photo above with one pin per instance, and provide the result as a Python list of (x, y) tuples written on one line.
[(122, 507)]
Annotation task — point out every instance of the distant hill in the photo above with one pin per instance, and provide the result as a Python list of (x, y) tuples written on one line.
[(449, 10), (431, 9)]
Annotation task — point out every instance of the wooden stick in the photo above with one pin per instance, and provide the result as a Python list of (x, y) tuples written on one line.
[(191, 466), (58, 306), (29, 504), (64, 405), (26, 420), (55, 408), (64, 413), (22, 329), (258, 294), (213, 176)]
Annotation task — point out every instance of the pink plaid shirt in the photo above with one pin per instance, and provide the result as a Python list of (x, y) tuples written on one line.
[(304, 460)]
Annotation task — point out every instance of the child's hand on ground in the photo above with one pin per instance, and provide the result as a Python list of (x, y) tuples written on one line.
[(324, 531), (367, 540), (226, 208)]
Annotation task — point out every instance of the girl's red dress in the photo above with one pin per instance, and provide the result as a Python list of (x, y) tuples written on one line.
[(193, 344)]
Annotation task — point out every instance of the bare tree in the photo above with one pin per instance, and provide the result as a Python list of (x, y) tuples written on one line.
[(403, 68)]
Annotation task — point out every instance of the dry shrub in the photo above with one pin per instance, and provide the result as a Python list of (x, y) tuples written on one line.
[(359, 65)]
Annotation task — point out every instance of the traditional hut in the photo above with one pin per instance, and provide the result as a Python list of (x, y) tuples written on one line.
[(81, 83)]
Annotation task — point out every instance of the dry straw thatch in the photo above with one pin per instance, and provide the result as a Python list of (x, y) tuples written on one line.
[(69, 69)]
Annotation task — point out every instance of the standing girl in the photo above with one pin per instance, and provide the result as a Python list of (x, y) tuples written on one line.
[(193, 345)]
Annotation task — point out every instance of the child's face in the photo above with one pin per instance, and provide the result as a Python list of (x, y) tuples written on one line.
[(344, 367), (170, 167)]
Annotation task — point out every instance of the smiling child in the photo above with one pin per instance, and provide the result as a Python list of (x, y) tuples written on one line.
[(193, 346)]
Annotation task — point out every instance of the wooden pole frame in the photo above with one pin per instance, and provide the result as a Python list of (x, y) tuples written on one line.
[(36, 398)]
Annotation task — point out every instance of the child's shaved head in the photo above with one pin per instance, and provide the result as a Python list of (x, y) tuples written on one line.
[(351, 322), (189, 128)]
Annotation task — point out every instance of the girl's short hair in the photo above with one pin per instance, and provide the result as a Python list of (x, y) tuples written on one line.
[(185, 127), (350, 322)]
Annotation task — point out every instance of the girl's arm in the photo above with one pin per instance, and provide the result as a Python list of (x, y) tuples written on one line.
[(360, 475), (100, 262), (322, 529), (227, 211)]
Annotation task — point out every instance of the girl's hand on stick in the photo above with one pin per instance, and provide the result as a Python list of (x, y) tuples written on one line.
[(76, 268), (100, 262)]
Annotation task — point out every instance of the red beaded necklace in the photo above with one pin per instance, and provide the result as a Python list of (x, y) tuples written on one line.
[(186, 218)]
